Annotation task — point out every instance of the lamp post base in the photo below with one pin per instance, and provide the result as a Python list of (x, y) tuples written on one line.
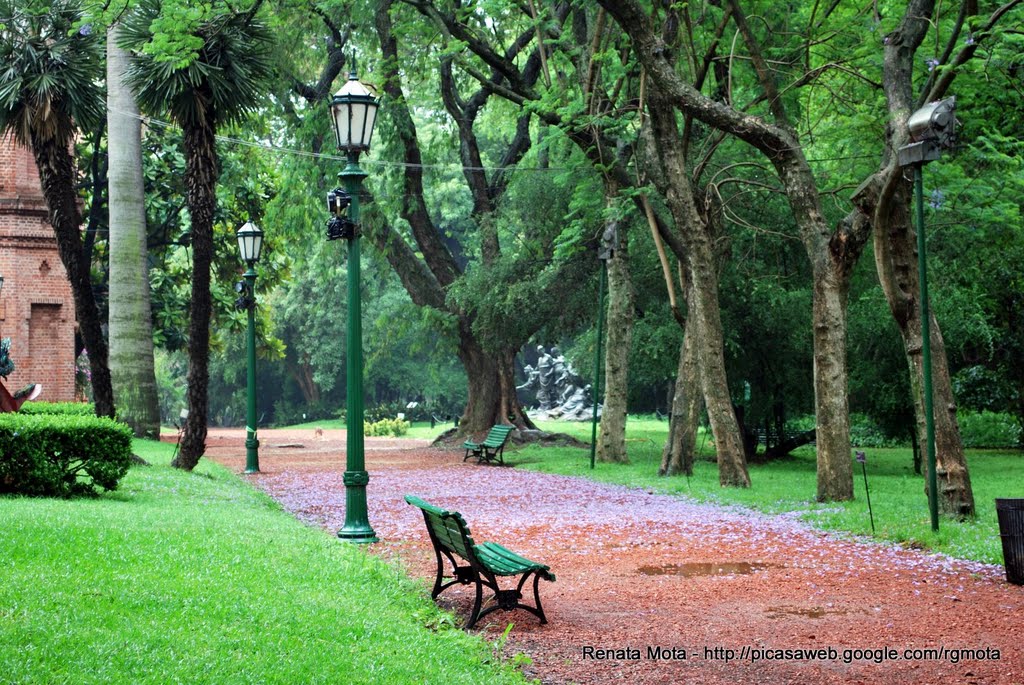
[(357, 521), (360, 535), (252, 459)]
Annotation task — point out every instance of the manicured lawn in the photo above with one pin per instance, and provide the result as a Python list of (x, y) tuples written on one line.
[(198, 578), (897, 494)]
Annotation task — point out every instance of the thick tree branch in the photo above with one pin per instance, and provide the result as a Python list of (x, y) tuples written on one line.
[(319, 91), (435, 253)]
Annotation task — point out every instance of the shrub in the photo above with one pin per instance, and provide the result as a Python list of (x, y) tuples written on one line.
[(385, 427), (62, 455), (67, 408), (989, 429)]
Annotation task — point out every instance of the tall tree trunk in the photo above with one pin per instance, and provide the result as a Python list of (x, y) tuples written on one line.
[(302, 374), (511, 410), (611, 443), (732, 462), (491, 384), (896, 260), (130, 319), (779, 143), (201, 170), (57, 177), (681, 446), (703, 306), (835, 468)]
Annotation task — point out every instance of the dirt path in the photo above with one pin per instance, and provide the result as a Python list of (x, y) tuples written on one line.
[(723, 592)]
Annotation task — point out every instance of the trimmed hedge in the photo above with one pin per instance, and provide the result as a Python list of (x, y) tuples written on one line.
[(71, 408), (62, 455)]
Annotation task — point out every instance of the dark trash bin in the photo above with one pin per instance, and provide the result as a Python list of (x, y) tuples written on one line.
[(1011, 529)]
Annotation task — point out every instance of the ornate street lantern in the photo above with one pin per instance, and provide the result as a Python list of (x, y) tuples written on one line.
[(354, 111), (250, 242)]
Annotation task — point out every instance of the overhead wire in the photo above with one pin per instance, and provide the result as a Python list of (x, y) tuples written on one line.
[(153, 121)]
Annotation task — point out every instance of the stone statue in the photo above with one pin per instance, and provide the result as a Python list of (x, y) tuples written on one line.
[(547, 392), (561, 392), (532, 384)]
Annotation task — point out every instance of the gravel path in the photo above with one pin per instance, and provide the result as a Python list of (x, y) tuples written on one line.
[(673, 591)]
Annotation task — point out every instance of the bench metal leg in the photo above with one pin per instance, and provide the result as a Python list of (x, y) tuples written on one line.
[(461, 575), (475, 615), (536, 597), (508, 600)]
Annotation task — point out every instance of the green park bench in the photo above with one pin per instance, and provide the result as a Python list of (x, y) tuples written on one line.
[(451, 538), (492, 448)]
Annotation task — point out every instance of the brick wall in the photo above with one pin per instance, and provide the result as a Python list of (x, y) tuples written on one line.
[(36, 306)]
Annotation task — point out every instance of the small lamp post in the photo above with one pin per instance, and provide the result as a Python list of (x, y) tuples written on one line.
[(609, 241), (250, 244), (932, 130), (353, 113)]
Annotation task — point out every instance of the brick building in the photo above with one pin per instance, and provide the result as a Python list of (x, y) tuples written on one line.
[(37, 310)]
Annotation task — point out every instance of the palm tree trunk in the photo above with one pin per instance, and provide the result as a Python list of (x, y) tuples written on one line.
[(201, 170), (57, 177), (129, 318)]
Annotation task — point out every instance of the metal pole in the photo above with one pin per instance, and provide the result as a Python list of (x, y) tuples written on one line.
[(252, 456), (597, 359), (926, 350), (357, 524)]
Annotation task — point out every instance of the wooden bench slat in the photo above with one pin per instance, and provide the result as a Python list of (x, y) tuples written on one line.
[(504, 562), (450, 535)]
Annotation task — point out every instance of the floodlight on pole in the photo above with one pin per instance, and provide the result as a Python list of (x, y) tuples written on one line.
[(932, 130)]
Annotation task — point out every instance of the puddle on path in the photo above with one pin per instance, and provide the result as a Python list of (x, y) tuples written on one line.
[(699, 569), (806, 612)]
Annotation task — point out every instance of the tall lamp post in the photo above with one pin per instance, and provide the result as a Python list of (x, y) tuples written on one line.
[(250, 244), (354, 112), (932, 129)]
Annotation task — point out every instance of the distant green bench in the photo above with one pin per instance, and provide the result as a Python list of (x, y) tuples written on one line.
[(492, 448), (450, 536)]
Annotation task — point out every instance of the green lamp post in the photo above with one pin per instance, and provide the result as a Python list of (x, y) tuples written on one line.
[(354, 112), (932, 130), (250, 244)]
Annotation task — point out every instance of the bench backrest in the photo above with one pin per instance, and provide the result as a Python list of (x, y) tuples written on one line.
[(497, 435), (447, 528)]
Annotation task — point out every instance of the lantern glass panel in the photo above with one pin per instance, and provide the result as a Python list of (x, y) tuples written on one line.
[(250, 242)]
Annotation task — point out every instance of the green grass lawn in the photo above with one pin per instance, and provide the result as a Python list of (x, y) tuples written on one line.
[(198, 578), (897, 494)]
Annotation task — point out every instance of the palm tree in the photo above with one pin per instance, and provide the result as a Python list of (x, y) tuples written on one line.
[(221, 84), (49, 90), (130, 319)]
